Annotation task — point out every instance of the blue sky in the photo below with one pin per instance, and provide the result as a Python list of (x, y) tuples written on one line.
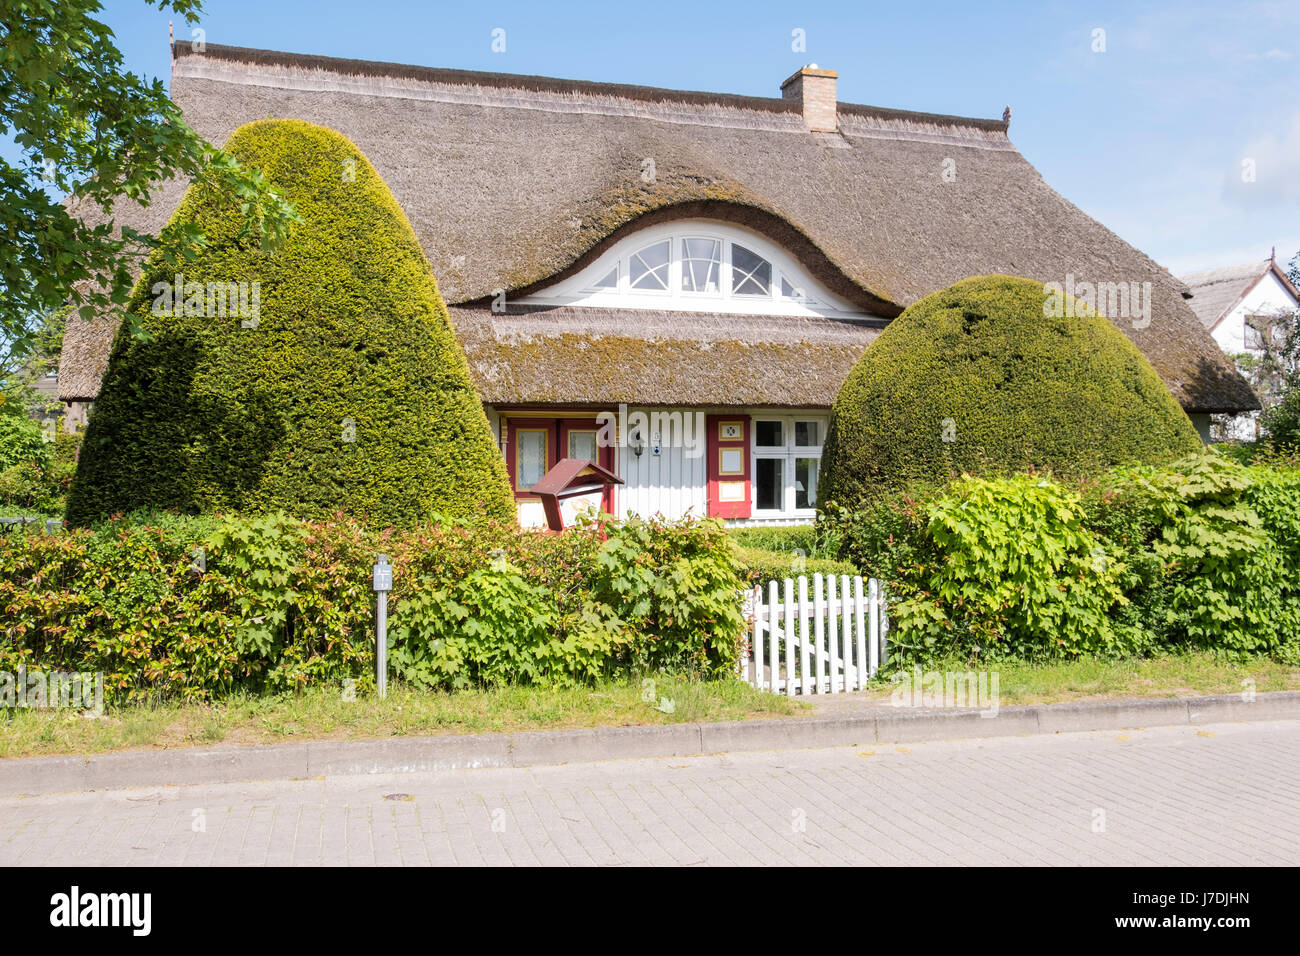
[(1148, 137)]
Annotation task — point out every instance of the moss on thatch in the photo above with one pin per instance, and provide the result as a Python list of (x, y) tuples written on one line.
[(347, 390), (977, 378)]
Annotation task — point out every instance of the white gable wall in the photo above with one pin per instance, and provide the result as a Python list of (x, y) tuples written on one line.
[(1266, 296)]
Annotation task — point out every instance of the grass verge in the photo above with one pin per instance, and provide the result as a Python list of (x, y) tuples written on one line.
[(325, 715), (1171, 675)]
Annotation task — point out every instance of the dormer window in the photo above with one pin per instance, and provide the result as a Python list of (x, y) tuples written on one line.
[(648, 268), (702, 266), (751, 274), (697, 265)]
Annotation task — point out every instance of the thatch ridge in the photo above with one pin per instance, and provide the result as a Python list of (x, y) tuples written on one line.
[(549, 84)]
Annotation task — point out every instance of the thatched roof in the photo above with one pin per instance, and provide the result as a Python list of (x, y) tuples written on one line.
[(510, 181), (598, 357), (1216, 292)]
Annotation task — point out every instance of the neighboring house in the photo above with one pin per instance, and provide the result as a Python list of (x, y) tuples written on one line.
[(1237, 305), (716, 263), (47, 387), (1227, 299)]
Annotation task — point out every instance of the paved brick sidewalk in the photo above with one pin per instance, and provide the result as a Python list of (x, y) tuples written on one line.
[(1220, 794)]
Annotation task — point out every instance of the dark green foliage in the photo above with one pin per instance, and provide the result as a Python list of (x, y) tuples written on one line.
[(977, 379), (351, 393)]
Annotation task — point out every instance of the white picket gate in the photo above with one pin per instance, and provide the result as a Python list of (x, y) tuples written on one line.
[(830, 641)]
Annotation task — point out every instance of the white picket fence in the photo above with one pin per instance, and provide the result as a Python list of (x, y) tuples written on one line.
[(827, 641)]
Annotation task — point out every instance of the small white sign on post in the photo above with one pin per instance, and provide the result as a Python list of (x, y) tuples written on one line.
[(383, 583)]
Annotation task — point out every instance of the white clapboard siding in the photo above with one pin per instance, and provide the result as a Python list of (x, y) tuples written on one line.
[(831, 642)]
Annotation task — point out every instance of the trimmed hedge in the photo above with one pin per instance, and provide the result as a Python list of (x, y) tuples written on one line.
[(775, 553), (977, 379), (278, 604), (350, 393), (759, 565), (800, 537)]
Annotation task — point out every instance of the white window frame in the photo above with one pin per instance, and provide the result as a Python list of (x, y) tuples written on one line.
[(787, 451), (581, 289)]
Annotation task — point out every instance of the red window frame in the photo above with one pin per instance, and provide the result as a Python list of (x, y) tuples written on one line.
[(557, 447), (714, 447)]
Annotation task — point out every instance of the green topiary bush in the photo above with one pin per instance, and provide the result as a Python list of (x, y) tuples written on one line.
[(347, 390), (977, 378)]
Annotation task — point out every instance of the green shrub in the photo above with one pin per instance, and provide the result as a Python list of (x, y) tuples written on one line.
[(201, 606), (674, 584), (37, 480), (1282, 421), (350, 393), (1194, 555), (977, 379), (775, 553), (885, 535), (23, 442), (1018, 575), (801, 538), (1213, 539)]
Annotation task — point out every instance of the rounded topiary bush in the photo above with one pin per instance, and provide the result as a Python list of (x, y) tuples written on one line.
[(977, 378), (339, 386)]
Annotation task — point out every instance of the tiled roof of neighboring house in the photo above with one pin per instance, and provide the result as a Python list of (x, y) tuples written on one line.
[(1216, 292), (588, 356), (511, 181)]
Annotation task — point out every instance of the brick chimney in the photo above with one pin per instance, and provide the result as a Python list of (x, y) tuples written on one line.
[(815, 90)]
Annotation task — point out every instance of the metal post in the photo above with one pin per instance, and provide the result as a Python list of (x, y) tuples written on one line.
[(383, 583)]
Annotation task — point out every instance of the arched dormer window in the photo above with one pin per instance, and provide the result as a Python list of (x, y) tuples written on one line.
[(697, 266)]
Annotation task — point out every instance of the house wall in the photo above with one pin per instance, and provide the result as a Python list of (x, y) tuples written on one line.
[(1268, 295), (672, 483), (1201, 421), (670, 478)]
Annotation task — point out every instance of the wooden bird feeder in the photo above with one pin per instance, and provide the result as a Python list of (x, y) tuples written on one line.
[(570, 478)]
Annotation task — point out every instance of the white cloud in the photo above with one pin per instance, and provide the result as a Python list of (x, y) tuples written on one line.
[(1268, 171), (1269, 55)]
